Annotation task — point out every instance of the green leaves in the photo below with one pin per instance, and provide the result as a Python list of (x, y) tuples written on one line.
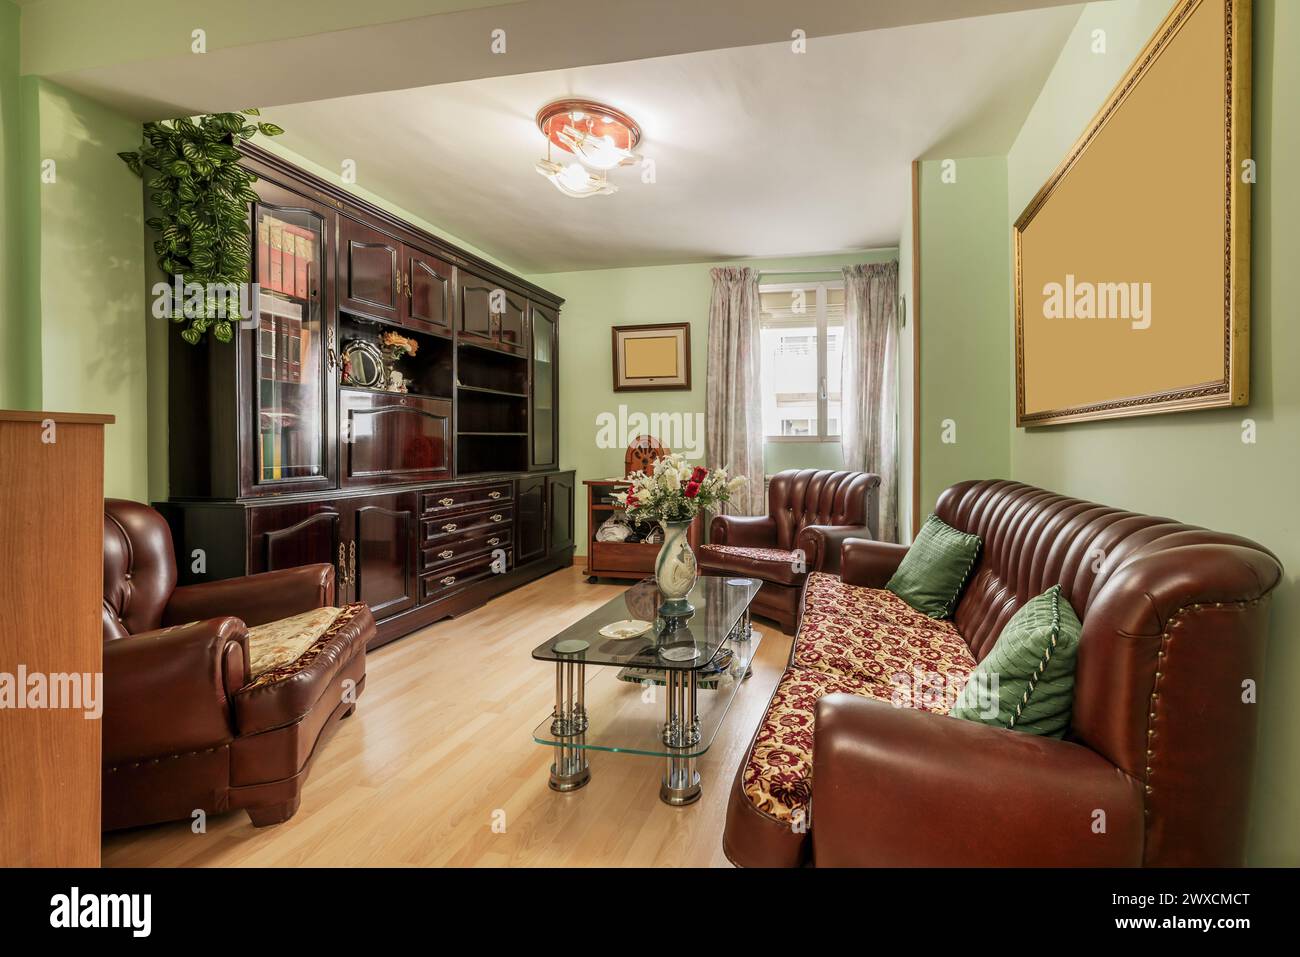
[(202, 195)]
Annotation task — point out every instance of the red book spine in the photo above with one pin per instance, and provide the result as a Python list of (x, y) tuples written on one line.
[(264, 252), (288, 268), (276, 272)]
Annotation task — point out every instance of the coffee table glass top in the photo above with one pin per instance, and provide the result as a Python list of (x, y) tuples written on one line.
[(688, 645)]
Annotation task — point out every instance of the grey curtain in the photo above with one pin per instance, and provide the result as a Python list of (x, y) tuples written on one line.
[(733, 405), (869, 382)]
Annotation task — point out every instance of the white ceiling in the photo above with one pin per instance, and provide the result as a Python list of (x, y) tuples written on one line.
[(758, 151)]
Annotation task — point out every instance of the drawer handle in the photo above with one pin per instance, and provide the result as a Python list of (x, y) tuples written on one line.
[(449, 580), (494, 494), (494, 541), (447, 553), (449, 527), (446, 501), (497, 517)]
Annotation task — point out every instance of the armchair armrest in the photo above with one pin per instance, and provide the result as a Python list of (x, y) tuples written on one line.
[(746, 531), (900, 787), (256, 599), (869, 564), (168, 691), (821, 545)]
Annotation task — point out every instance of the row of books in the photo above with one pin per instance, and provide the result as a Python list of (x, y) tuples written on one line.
[(284, 341), (285, 257), (284, 451)]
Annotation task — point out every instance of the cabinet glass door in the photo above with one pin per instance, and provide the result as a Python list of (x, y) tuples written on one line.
[(510, 321), (288, 362), (543, 394)]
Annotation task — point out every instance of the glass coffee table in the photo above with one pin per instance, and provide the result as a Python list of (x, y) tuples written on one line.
[(663, 694)]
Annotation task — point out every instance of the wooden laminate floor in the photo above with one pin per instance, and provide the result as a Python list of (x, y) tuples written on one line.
[(441, 748)]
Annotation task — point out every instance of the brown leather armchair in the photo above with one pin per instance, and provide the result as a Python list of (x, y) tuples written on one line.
[(187, 724), (849, 767), (809, 513)]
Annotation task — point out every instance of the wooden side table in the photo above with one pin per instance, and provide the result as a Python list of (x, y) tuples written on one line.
[(627, 560)]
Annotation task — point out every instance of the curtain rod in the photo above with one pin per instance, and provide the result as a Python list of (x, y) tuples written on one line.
[(799, 272)]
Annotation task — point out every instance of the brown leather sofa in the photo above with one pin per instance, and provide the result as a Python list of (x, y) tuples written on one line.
[(808, 510), (187, 725), (851, 767)]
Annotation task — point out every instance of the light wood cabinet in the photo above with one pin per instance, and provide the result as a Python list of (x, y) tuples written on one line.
[(51, 590)]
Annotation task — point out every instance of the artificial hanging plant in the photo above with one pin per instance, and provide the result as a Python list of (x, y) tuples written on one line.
[(202, 194)]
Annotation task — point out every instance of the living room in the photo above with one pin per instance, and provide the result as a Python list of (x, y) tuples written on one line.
[(537, 405)]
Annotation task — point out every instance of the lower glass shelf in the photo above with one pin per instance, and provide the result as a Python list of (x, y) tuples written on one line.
[(628, 716)]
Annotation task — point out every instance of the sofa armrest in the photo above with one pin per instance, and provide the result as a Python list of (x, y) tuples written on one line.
[(869, 564), (256, 599), (168, 691), (746, 531), (900, 787), (821, 544)]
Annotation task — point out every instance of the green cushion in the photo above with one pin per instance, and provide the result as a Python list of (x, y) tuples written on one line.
[(1033, 661), (932, 573)]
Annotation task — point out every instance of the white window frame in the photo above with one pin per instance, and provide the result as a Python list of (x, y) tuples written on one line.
[(819, 323)]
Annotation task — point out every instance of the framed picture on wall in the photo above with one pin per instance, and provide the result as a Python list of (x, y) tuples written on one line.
[(1133, 288), (652, 357)]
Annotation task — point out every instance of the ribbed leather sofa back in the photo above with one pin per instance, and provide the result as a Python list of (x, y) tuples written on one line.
[(1174, 626)]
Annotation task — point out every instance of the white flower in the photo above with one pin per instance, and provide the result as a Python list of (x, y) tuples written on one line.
[(736, 484)]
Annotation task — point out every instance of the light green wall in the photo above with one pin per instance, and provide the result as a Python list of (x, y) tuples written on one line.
[(71, 263), (91, 290), (19, 379), (595, 300), (965, 341), (906, 352), (1194, 466)]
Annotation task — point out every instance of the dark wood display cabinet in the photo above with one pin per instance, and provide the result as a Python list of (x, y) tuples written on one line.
[(429, 492)]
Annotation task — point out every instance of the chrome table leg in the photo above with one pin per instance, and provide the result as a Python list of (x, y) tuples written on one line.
[(681, 783), (569, 723)]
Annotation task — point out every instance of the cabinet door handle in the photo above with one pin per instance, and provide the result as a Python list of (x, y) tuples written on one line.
[(494, 541), (352, 562), (342, 574), (446, 501), (446, 553), (449, 580), (449, 527), (494, 494), (497, 517)]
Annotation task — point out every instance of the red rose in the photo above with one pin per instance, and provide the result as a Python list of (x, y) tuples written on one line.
[(699, 475), (631, 501), (692, 489)]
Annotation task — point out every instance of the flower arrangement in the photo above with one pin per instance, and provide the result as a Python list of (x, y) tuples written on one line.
[(399, 345), (676, 491)]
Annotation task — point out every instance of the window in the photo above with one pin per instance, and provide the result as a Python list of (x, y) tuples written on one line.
[(802, 337)]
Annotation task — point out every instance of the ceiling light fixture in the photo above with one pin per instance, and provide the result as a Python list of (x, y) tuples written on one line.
[(600, 137)]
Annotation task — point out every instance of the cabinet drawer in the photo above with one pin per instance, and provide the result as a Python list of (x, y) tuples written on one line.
[(461, 526), (450, 500), (453, 578), (453, 549)]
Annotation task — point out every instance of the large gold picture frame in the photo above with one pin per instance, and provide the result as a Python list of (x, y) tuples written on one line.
[(1132, 263)]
